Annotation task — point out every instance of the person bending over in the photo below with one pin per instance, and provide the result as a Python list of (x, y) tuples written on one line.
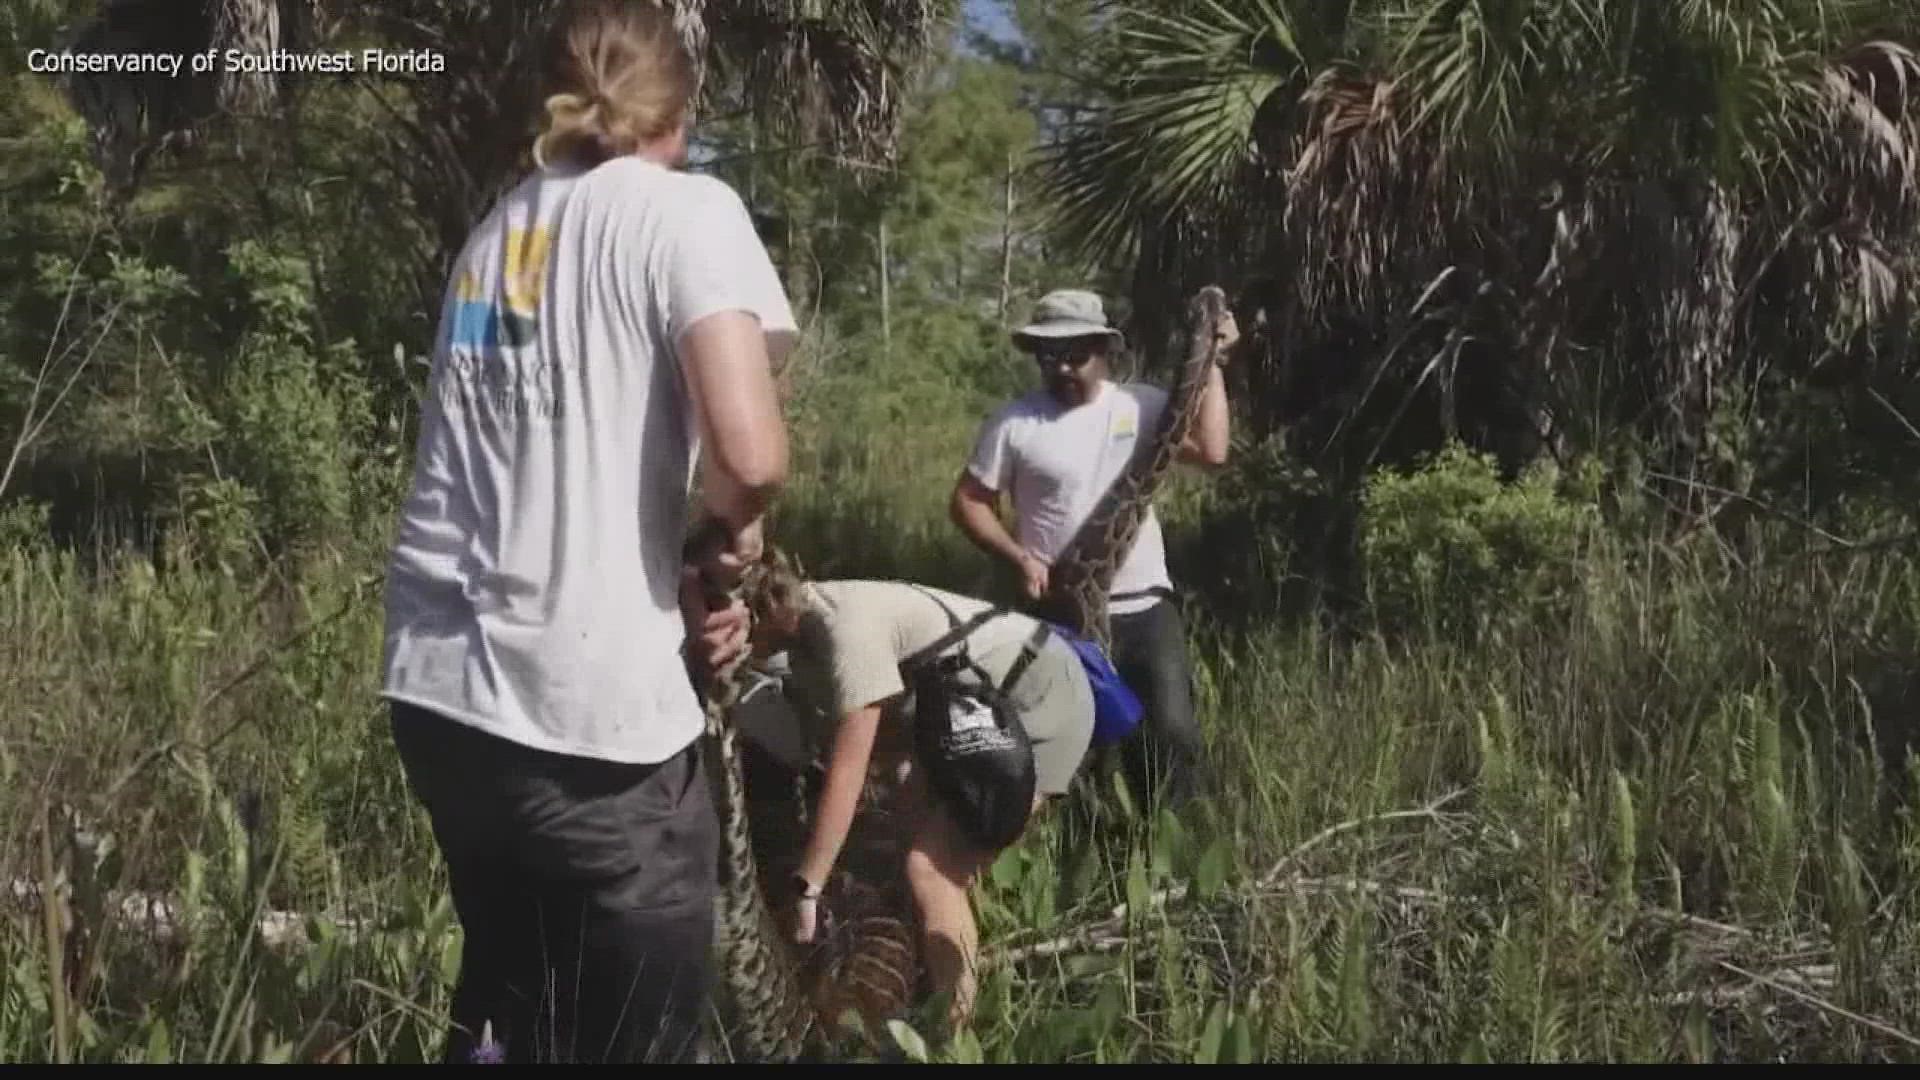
[(845, 642)]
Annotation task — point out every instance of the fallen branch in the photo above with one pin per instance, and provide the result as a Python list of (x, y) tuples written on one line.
[(1430, 811), (1116, 920), (1825, 1006), (1812, 977), (1407, 894), (1109, 935), (161, 921)]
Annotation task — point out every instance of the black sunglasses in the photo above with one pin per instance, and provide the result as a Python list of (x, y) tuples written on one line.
[(1076, 352)]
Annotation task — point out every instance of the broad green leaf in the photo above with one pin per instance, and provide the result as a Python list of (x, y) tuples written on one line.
[(1107, 1011), (450, 959), (33, 987), (965, 1049), (1240, 1049), (1123, 796), (1008, 869), (1170, 841), (159, 1043), (908, 1040), (1211, 1035), (1212, 872), (1081, 967), (1138, 889)]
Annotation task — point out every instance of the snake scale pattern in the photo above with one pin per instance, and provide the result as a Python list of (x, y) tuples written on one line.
[(777, 1000), (1079, 577)]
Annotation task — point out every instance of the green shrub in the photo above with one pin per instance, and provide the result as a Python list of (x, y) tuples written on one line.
[(294, 413), (1252, 540), (24, 524), (287, 441), (1455, 549)]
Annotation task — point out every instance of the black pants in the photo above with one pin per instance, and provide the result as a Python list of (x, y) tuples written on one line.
[(585, 889), (1166, 758)]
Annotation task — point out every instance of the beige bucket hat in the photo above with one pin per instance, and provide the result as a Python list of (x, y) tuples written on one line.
[(1067, 313)]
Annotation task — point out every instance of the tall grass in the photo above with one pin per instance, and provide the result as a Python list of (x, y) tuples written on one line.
[(1671, 825)]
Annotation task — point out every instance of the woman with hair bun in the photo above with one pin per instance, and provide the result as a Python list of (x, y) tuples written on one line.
[(611, 323)]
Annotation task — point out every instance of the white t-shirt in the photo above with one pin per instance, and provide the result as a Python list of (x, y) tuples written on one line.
[(533, 587), (1058, 462)]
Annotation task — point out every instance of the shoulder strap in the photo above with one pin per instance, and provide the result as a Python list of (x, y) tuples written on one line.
[(1028, 651), (958, 631)]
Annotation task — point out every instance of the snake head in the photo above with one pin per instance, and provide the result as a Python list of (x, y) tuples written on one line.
[(703, 548), (1208, 304), (704, 542)]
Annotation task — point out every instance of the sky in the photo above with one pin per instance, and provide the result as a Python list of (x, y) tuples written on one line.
[(991, 16)]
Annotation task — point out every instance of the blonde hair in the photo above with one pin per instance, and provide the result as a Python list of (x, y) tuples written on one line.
[(619, 76), (776, 585)]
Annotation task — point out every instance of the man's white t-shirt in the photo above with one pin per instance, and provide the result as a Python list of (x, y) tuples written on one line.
[(533, 586), (1057, 462)]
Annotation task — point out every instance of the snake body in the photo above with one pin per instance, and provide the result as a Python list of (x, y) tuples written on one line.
[(1079, 577), (778, 1001)]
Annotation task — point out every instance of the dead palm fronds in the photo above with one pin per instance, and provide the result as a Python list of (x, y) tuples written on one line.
[(133, 114), (835, 72)]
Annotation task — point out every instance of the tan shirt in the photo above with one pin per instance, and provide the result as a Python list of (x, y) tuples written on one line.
[(850, 645)]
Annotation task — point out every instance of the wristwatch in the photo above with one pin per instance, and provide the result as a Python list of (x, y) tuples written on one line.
[(805, 889)]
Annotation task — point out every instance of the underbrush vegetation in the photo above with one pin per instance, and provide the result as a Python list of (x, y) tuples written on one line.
[(1556, 622), (1663, 818)]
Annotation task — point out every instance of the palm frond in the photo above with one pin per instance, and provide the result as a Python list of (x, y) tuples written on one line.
[(1477, 67), (132, 115), (1736, 185), (1361, 195), (1870, 99), (1184, 124), (1861, 183)]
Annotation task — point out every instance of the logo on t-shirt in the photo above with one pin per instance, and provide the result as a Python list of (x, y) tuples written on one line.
[(481, 324), (1123, 427), (491, 366)]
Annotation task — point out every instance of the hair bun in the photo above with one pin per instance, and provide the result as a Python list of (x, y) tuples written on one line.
[(622, 76)]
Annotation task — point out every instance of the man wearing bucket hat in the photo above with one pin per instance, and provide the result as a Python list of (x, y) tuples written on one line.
[(1055, 451)]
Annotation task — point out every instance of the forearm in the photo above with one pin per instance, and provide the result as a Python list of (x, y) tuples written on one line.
[(982, 526), (1214, 417), (830, 828), (1208, 442), (744, 436), (846, 776), (736, 501)]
